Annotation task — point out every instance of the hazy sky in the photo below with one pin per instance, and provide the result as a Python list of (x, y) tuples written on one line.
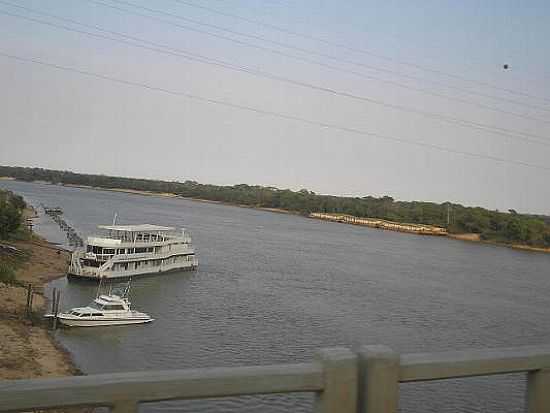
[(65, 120)]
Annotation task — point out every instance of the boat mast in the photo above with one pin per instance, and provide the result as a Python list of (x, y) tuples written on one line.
[(98, 293)]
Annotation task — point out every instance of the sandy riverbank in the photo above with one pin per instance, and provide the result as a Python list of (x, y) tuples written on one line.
[(477, 238), (172, 195), (27, 350), (462, 237)]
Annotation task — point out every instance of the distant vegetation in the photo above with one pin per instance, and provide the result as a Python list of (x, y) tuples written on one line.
[(506, 227), (11, 216), (11, 213)]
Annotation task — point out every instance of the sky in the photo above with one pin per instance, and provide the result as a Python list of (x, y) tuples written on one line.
[(402, 98)]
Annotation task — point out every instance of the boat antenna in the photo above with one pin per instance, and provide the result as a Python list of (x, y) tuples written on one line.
[(127, 289), (99, 287), (114, 218)]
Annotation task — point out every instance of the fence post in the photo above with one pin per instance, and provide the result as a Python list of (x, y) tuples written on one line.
[(340, 376), (538, 391), (378, 380), (29, 296)]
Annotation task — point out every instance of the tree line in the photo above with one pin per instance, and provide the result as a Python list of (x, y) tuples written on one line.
[(506, 227)]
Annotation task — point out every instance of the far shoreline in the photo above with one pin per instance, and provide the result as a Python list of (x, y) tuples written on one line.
[(467, 237)]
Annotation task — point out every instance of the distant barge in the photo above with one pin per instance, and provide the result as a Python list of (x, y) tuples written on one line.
[(129, 250), (422, 229)]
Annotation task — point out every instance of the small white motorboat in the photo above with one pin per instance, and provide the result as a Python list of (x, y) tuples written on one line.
[(106, 310)]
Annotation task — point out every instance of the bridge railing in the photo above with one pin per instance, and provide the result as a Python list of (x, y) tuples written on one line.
[(343, 381)]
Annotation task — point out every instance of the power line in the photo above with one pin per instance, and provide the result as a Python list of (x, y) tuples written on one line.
[(273, 114), (531, 138), (358, 50), (331, 57)]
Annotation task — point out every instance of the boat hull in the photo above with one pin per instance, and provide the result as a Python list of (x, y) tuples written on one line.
[(122, 277), (69, 322)]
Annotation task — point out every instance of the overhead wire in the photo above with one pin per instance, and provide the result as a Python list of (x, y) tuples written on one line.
[(360, 50), (269, 113), (498, 99), (164, 49)]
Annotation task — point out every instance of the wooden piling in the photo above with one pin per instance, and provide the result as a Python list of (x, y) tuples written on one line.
[(53, 300), (30, 306), (29, 303), (57, 297)]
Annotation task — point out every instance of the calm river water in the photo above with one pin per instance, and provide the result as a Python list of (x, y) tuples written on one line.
[(275, 288)]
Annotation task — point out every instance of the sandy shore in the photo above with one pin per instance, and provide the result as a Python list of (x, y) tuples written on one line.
[(172, 195), (27, 350), (462, 237), (477, 238)]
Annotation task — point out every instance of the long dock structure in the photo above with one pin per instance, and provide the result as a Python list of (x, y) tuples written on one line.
[(55, 213)]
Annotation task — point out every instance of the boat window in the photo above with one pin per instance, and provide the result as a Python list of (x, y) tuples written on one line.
[(108, 250), (84, 315), (113, 307), (97, 315), (91, 263), (140, 250)]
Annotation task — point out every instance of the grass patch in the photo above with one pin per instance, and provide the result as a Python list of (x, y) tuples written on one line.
[(10, 263), (7, 272)]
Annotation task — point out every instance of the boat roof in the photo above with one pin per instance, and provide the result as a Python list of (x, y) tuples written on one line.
[(136, 228)]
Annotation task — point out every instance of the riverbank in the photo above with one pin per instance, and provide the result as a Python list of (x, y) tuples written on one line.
[(477, 238), (171, 195), (422, 229), (28, 350)]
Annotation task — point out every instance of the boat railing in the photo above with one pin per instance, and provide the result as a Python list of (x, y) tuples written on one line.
[(92, 240), (136, 256), (366, 381)]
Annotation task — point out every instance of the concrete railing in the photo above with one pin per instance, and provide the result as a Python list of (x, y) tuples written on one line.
[(344, 382)]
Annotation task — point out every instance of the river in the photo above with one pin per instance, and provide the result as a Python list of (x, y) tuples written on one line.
[(275, 288)]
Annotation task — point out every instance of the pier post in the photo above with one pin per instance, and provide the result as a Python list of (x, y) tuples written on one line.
[(29, 301), (30, 306), (378, 380), (57, 296), (340, 374), (538, 391), (53, 300)]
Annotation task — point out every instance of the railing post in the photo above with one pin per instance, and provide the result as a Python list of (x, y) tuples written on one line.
[(340, 376), (125, 406), (378, 380), (538, 391)]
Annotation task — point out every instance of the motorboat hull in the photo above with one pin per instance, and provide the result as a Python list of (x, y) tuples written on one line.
[(73, 322)]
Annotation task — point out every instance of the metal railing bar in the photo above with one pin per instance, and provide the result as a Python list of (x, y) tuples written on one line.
[(457, 364), (106, 389)]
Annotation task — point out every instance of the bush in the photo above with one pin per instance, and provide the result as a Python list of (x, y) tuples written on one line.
[(7, 273)]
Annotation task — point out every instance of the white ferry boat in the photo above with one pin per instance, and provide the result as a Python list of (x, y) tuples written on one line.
[(125, 251)]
